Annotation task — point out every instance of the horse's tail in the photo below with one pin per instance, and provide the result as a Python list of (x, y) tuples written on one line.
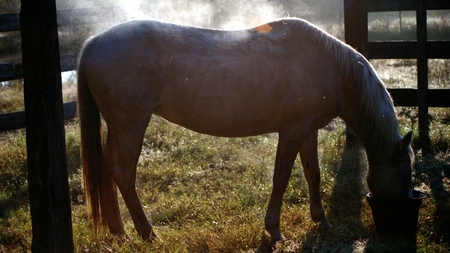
[(91, 140)]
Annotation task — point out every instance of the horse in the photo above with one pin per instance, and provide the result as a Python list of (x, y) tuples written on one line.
[(287, 77)]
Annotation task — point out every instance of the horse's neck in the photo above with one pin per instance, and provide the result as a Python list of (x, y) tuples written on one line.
[(378, 146), (364, 134), (375, 123)]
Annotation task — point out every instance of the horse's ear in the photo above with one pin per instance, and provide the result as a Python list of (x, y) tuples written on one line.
[(404, 143)]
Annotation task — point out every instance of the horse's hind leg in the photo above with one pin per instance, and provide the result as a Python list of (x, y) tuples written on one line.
[(110, 205), (128, 142), (308, 155)]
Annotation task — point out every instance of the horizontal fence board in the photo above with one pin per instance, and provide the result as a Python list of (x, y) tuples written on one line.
[(437, 5), (438, 49), (12, 121), (391, 50), (407, 50), (11, 21), (405, 5), (69, 62), (389, 5), (16, 120), (94, 15), (409, 97), (9, 71)]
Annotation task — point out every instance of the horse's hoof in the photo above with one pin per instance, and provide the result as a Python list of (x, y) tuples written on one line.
[(272, 238), (151, 237), (125, 238), (325, 225)]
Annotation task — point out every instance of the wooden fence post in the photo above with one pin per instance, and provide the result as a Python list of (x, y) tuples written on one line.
[(46, 150), (355, 22), (356, 31), (422, 76)]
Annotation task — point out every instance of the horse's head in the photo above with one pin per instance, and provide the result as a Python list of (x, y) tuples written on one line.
[(392, 178)]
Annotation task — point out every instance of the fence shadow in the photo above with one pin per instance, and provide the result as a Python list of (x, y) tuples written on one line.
[(347, 194)]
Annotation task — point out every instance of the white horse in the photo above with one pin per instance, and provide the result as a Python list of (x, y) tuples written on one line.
[(286, 76)]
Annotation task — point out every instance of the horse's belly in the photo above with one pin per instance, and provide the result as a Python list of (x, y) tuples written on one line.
[(225, 123), (224, 129)]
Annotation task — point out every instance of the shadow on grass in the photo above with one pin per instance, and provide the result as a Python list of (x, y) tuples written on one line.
[(345, 204), (434, 216), (353, 229), (14, 202), (349, 188), (14, 176), (430, 171), (344, 207), (13, 184)]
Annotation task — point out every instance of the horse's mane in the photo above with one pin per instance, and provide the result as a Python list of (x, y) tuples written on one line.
[(377, 114)]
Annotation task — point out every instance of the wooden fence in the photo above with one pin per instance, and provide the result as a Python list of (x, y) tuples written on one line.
[(356, 35), (9, 71)]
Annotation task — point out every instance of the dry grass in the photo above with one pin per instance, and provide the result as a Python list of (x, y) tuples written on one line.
[(208, 194), (11, 97)]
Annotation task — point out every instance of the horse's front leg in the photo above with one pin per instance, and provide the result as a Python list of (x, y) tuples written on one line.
[(310, 162), (288, 146)]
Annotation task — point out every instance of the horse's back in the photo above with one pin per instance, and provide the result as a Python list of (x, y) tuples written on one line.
[(228, 83)]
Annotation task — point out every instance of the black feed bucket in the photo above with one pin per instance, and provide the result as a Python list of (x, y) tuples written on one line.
[(396, 215)]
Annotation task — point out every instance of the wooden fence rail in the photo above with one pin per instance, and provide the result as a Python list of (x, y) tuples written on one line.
[(16, 120)]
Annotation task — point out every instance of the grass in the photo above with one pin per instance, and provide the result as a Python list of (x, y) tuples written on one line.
[(205, 193), (11, 98)]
